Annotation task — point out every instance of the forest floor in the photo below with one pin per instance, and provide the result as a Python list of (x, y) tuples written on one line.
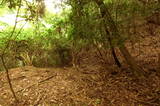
[(93, 84), (68, 87)]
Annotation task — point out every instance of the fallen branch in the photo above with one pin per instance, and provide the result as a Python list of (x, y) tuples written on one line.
[(37, 83)]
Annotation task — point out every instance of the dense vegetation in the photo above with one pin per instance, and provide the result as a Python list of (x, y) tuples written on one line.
[(58, 40)]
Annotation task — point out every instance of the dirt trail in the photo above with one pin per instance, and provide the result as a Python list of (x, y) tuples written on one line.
[(66, 86)]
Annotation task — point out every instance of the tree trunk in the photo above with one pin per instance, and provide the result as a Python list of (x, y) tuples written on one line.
[(116, 58), (137, 70), (108, 36), (8, 79), (113, 31)]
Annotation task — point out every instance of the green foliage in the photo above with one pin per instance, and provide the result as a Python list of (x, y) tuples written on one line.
[(87, 22), (45, 44), (53, 37)]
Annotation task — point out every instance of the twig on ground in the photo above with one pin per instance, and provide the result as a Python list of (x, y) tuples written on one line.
[(36, 83)]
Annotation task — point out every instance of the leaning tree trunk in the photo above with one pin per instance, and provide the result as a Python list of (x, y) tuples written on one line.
[(114, 53), (113, 30), (106, 32), (8, 78)]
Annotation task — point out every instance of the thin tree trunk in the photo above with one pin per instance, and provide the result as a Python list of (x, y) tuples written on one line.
[(116, 58), (4, 51), (115, 33), (113, 54), (113, 51), (108, 35), (8, 79)]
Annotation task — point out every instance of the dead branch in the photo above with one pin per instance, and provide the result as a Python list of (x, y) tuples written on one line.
[(37, 83)]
